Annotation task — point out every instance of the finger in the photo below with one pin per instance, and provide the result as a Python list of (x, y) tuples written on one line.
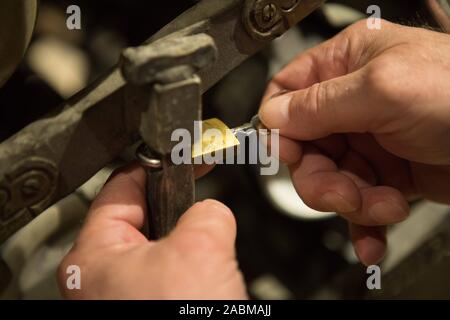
[(325, 187), (208, 224), (381, 205), (328, 60), (370, 243), (118, 212), (391, 170), (202, 170), (273, 89), (341, 105), (330, 86), (334, 146), (321, 186), (290, 151), (354, 166)]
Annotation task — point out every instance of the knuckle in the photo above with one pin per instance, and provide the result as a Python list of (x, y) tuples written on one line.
[(316, 99), (356, 28), (208, 241), (381, 81), (203, 241), (307, 107)]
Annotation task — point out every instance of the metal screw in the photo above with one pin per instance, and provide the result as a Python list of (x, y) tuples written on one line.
[(30, 187), (269, 12)]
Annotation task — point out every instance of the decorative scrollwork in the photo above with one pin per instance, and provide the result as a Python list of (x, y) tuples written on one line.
[(267, 19), (26, 190)]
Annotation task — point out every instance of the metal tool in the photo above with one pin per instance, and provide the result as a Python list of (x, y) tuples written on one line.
[(172, 91), (160, 186), (53, 156)]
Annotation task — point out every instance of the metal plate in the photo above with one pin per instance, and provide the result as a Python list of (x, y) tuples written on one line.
[(221, 139)]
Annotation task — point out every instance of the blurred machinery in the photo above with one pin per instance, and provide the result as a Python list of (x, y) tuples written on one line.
[(286, 250)]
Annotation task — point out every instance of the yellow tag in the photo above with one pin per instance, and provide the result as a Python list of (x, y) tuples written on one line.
[(216, 136)]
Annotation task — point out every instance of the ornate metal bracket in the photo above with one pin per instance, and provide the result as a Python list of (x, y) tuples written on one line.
[(26, 190), (172, 96), (268, 19)]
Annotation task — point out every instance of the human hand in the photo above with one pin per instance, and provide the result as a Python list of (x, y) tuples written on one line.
[(366, 126), (196, 261)]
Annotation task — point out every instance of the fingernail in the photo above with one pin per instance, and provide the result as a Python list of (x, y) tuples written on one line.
[(374, 256), (274, 113), (388, 213), (335, 202), (217, 206)]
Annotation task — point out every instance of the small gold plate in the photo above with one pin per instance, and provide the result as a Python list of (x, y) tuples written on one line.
[(216, 136)]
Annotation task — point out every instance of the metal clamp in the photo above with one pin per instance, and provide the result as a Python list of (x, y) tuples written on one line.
[(166, 71)]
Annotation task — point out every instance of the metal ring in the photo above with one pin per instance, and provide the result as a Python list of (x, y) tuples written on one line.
[(148, 158)]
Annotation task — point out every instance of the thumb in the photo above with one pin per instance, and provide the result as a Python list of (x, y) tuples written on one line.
[(207, 224), (338, 105)]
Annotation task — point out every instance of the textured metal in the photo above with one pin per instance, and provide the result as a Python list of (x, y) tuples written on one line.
[(98, 123), (150, 63), (170, 189), (147, 158), (170, 192), (27, 189), (167, 69), (172, 106), (266, 20)]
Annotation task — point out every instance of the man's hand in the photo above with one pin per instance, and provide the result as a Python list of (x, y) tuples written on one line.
[(196, 261), (366, 126)]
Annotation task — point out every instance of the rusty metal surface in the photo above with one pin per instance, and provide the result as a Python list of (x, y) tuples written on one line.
[(26, 191), (98, 123), (149, 63)]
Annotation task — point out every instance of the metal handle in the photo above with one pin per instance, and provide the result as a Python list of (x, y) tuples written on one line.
[(168, 195)]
